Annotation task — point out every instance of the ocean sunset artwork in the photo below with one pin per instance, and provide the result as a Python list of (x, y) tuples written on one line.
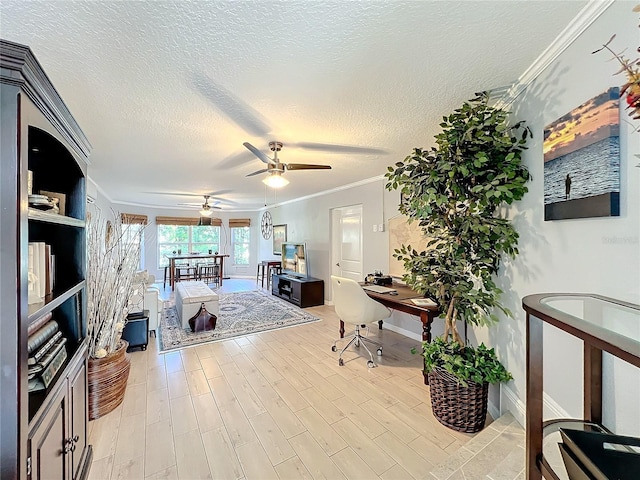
[(582, 160)]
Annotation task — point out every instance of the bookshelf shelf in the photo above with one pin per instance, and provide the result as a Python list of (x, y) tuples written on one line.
[(36, 310), (43, 216)]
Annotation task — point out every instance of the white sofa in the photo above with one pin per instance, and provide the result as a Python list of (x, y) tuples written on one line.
[(144, 296), (190, 296)]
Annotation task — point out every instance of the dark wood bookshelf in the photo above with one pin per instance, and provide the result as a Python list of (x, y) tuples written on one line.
[(44, 432)]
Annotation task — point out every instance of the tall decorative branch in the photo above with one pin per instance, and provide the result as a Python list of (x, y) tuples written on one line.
[(112, 260)]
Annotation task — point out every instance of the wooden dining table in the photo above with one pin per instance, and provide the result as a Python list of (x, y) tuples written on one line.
[(218, 259)]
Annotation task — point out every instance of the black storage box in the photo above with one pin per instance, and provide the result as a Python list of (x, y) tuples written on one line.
[(600, 456), (136, 330)]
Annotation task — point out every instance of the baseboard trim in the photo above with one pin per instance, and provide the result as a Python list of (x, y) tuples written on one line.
[(511, 402), (407, 333)]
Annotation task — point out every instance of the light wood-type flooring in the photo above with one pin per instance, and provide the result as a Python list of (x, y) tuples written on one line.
[(274, 405)]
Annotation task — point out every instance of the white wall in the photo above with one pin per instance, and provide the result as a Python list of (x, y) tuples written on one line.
[(309, 220), (593, 255)]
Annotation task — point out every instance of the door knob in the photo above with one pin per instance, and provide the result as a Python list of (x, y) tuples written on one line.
[(338, 264)]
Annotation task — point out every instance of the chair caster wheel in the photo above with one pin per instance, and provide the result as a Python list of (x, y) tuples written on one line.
[(334, 349), (380, 352), (370, 364), (341, 362)]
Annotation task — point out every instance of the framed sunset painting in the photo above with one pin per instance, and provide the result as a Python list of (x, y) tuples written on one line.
[(582, 160)]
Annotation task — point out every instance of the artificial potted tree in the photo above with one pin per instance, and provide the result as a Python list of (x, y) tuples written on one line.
[(456, 191)]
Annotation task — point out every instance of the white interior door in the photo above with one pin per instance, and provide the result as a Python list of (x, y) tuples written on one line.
[(346, 244)]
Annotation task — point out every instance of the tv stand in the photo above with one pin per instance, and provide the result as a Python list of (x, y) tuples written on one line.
[(303, 292)]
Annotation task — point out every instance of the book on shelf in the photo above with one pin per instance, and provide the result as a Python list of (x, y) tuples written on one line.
[(423, 302), (39, 323), (48, 278), (38, 354), (40, 337), (41, 271), (52, 356), (52, 368)]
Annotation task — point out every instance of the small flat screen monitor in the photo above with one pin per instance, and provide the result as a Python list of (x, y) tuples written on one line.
[(294, 259)]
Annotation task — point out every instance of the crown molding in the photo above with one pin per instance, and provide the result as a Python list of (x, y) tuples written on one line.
[(571, 32)]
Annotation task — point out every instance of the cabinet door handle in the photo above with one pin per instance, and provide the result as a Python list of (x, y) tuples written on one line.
[(76, 438)]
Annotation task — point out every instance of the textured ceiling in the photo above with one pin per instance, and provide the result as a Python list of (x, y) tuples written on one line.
[(167, 92)]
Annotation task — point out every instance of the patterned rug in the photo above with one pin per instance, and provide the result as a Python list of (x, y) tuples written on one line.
[(241, 313)]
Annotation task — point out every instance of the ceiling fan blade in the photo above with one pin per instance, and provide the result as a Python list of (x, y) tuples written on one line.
[(337, 148), (306, 166), (234, 108), (259, 154), (258, 172), (189, 194)]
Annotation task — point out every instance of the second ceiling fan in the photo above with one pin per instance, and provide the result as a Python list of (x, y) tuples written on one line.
[(276, 168)]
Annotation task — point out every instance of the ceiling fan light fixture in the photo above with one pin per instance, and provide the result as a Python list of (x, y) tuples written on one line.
[(206, 211), (275, 180)]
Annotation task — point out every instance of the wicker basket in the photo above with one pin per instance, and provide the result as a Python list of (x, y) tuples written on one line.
[(458, 407), (108, 381)]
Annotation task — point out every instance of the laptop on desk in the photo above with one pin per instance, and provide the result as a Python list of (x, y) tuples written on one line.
[(378, 289)]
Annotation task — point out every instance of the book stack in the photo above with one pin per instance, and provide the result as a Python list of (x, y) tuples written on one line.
[(46, 350), (41, 271)]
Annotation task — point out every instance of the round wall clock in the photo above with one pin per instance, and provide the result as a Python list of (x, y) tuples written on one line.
[(267, 225)]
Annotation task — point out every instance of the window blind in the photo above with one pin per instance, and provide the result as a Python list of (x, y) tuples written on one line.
[(129, 218), (239, 222), (176, 221)]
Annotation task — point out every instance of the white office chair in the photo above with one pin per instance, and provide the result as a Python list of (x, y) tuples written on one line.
[(354, 306)]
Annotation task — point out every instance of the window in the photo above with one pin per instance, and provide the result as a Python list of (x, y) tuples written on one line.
[(187, 239), (240, 243), (134, 233)]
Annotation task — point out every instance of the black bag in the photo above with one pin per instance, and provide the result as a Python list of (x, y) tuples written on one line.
[(203, 320)]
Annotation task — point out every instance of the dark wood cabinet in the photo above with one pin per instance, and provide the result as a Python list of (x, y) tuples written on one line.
[(43, 432), (303, 292), (46, 458)]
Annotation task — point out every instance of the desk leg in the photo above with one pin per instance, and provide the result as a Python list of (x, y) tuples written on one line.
[(172, 273), (221, 270), (426, 320), (426, 326), (341, 329)]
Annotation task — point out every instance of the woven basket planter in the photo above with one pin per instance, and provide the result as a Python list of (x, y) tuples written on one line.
[(108, 381), (458, 407)]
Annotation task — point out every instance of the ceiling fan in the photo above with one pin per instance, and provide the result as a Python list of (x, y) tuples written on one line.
[(207, 207), (275, 168)]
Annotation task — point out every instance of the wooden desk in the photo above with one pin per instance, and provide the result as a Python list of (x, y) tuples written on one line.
[(219, 259), (402, 303)]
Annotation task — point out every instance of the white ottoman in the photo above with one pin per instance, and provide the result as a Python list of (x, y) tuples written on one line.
[(189, 297)]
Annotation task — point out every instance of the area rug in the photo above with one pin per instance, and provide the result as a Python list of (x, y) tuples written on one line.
[(241, 313)]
